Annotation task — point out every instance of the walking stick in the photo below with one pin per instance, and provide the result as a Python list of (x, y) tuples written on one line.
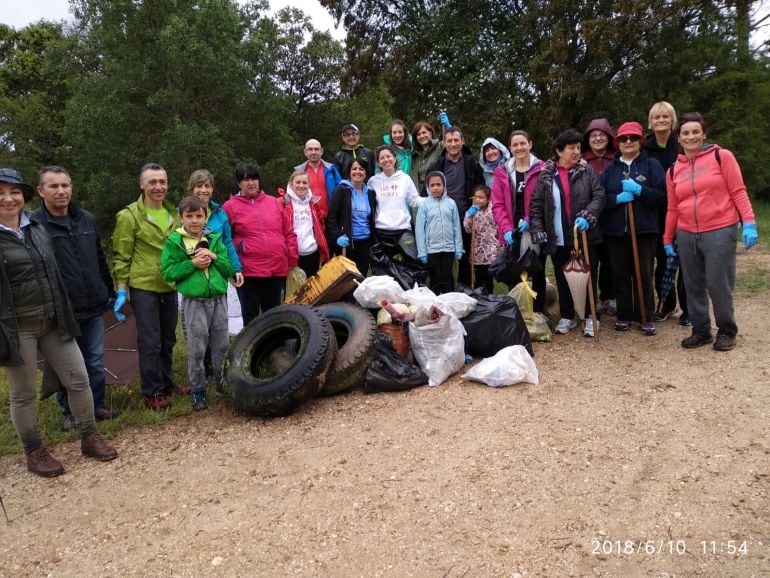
[(635, 251), (591, 300), (473, 245)]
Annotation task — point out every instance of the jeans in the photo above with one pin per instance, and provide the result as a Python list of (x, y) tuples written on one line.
[(156, 316), (91, 344)]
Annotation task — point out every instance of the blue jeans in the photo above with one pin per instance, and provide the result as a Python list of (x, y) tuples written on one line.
[(91, 345), (156, 316)]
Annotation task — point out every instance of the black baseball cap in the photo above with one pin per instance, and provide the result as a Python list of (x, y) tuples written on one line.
[(14, 177), (349, 126)]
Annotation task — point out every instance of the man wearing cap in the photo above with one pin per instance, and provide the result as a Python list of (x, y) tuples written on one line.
[(352, 150), (140, 232), (78, 250), (323, 176)]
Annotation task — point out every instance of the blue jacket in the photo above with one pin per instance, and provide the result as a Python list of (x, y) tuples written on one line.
[(331, 176), (219, 223), (646, 171), (437, 229)]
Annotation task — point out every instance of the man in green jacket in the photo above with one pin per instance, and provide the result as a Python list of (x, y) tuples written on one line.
[(141, 229)]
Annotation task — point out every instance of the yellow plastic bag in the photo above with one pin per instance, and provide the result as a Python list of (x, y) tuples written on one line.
[(537, 324), (295, 280)]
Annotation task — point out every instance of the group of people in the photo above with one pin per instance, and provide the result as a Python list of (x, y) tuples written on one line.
[(641, 200)]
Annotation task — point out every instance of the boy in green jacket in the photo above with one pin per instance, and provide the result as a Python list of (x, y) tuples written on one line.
[(195, 261)]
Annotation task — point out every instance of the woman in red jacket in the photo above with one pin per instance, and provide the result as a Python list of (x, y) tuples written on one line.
[(301, 205), (706, 200)]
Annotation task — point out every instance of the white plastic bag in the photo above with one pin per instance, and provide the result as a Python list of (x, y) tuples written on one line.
[(526, 243), (438, 346), (512, 364), (374, 289), (420, 297), (456, 303)]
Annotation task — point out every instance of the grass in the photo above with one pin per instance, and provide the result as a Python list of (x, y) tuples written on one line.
[(753, 280)]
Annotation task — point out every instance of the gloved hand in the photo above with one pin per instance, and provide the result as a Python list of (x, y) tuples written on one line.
[(508, 237), (472, 211), (624, 197), (120, 301), (444, 119), (523, 226), (670, 251), (582, 224), (631, 186), (459, 255), (750, 235), (423, 260), (343, 241)]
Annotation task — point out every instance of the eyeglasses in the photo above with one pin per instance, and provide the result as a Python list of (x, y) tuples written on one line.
[(629, 138)]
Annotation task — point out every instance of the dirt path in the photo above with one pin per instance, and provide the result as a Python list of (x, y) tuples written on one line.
[(632, 457)]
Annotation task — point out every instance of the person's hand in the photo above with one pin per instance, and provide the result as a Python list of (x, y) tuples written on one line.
[(624, 197), (472, 211), (120, 301), (750, 235), (508, 237), (423, 260), (631, 186), (459, 255), (343, 241), (238, 280), (581, 224), (444, 119), (670, 251), (201, 259), (523, 226)]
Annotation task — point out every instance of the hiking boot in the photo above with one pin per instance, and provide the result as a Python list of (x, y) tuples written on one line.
[(68, 423), (94, 446), (565, 325), (724, 342), (199, 401), (588, 330), (610, 307), (102, 413), (157, 402), (684, 320), (621, 325), (648, 329), (696, 340), (40, 462), (178, 390)]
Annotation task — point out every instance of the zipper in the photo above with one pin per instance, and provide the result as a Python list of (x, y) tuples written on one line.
[(695, 195)]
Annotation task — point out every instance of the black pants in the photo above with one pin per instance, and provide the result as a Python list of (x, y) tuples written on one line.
[(464, 265), (156, 316), (358, 252), (440, 271), (484, 278), (566, 305), (605, 282), (310, 263), (259, 294), (622, 260)]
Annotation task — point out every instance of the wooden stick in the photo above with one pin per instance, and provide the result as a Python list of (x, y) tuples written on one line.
[(591, 300), (473, 245), (635, 251)]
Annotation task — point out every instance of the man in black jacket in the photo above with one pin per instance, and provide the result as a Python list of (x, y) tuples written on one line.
[(78, 249)]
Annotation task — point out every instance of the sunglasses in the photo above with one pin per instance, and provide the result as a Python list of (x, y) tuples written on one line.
[(629, 138)]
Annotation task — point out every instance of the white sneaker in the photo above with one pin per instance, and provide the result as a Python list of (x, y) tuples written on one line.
[(565, 325), (588, 331)]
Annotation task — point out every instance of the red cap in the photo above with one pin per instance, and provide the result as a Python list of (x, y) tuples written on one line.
[(630, 128)]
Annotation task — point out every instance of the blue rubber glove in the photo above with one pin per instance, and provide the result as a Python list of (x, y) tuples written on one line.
[(582, 224), (624, 197), (750, 235), (631, 186), (508, 237), (472, 211), (523, 226), (670, 251), (444, 119), (343, 241), (459, 255), (423, 260), (120, 301)]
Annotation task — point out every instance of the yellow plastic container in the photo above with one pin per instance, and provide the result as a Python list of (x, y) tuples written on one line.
[(333, 281)]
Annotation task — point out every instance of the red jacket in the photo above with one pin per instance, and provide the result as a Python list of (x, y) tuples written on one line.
[(318, 228), (705, 194), (263, 235)]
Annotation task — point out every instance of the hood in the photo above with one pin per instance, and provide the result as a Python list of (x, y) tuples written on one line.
[(348, 184), (510, 165), (182, 231), (504, 154), (295, 198), (443, 180), (703, 150), (603, 125), (397, 174)]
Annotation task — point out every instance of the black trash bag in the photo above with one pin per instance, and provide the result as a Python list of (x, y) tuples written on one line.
[(406, 271), (508, 266), (494, 324), (389, 371)]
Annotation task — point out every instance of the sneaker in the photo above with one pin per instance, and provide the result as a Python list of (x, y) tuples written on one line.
[(696, 340), (648, 329), (68, 423), (102, 413), (178, 390), (157, 402), (94, 446), (684, 321), (724, 342), (621, 325), (199, 401), (40, 462), (610, 307), (661, 315), (565, 325), (588, 330)]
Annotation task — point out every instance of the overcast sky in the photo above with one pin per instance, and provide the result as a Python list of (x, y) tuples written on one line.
[(21, 13)]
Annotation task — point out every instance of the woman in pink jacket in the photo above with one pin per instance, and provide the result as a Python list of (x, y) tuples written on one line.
[(706, 200), (264, 238)]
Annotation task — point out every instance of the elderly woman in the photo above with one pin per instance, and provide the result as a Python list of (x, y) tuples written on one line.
[(265, 241), (37, 315), (706, 200), (632, 182), (567, 194)]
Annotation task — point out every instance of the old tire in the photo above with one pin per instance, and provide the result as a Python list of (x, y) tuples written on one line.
[(354, 329), (300, 335)]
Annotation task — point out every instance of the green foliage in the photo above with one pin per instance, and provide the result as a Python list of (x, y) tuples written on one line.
[(753, 280)]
